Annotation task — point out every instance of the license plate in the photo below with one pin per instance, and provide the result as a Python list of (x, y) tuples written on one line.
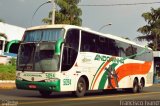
[(32, 86)]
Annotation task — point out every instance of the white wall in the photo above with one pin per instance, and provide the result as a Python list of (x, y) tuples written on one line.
[(12, 32)]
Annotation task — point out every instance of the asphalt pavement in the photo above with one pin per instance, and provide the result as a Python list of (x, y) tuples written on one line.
[(96, 98)]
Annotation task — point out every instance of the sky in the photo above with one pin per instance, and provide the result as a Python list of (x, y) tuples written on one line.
[(125, 20)]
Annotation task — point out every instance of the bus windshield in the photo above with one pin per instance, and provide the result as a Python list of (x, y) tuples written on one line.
[(37, 50), (37, 57)]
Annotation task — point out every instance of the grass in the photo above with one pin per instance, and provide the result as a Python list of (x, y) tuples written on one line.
[(7, 72)]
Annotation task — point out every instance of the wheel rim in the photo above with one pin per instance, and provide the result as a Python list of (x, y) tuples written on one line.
[(81, 87), (141, 85), (135, 89)]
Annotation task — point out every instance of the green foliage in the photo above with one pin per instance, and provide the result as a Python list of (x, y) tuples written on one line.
[(1, 20), (68, 13), (7, 72), (151, 31), (12, 61)]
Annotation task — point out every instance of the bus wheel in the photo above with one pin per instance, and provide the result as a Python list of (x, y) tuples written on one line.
[(45, 93), (141, 85), (81, 87), (135, 86)]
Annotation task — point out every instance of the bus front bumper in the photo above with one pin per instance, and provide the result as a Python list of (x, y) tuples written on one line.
[(35, 85)]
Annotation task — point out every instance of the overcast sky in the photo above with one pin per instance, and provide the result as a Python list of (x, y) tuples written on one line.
[(125, 19)]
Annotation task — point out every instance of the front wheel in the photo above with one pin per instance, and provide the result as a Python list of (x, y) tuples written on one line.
[(81, 88), (45, 93)]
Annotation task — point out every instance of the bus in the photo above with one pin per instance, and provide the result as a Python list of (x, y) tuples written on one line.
[(59, 58)]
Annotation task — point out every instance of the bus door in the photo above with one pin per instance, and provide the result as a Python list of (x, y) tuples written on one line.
[(69, 57)]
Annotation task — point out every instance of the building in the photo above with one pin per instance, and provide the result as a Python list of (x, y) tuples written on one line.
[(156, 55), (10, 36)]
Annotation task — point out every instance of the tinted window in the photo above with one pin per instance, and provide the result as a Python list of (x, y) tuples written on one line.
[(103, 45), (112, 47), (14, 48), (126, 50), (1, 44), (93, 43), (43, 35), (134, 52), (89, 42)]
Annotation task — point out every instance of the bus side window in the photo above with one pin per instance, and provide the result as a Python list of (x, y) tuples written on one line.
[(85, 42), (70, 50), (1, 44), (112, 47), (88, 42)]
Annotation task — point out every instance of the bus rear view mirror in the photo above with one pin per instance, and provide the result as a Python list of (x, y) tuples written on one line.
[(59, 42)]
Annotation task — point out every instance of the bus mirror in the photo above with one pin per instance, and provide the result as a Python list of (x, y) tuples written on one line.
[(58, 46)]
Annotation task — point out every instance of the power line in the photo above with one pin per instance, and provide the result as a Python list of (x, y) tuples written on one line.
[(127, 4)]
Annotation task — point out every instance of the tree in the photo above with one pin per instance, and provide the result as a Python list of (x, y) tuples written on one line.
[(68, 13), (151, 31), (1, 20)]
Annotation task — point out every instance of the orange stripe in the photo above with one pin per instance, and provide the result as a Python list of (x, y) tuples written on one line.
[(132, 69), (102, 70)]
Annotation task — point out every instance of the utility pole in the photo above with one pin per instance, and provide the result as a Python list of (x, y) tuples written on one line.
[(53, 12)]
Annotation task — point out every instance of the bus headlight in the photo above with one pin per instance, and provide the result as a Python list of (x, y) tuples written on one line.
[(52, 80), (19, 78)]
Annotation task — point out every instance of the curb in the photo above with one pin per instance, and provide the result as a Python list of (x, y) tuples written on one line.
[(7, 84)]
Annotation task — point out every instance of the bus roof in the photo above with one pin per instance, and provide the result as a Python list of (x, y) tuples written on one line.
[(85, 29)]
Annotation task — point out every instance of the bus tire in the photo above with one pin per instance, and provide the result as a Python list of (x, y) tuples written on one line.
[(45, 93), (141, 85), (81, 88), (135, 86)]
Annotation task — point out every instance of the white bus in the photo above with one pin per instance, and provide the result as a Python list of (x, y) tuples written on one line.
[(58, 58)]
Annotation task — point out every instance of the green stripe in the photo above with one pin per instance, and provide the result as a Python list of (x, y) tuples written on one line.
[(96, 74), (105, 75), (47, 86)]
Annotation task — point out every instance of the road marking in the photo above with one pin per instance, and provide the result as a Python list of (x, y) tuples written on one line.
[(87, 98)]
